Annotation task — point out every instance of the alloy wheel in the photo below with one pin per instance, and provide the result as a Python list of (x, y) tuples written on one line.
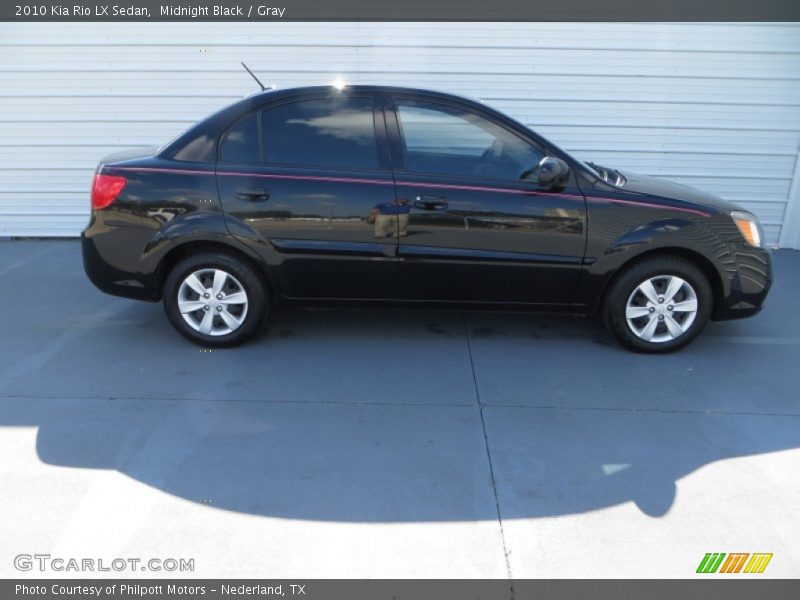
[(661, 308), (212, 302)]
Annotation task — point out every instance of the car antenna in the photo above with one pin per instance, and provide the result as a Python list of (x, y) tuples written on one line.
[(254, 77)]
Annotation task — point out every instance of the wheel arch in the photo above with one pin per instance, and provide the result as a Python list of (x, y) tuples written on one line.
[(190, 247), (703, 263)]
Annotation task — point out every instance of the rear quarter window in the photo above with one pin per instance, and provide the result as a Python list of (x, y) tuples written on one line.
[(241, 143)]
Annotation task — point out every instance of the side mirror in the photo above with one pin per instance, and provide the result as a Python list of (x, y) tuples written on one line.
[(552, 172)]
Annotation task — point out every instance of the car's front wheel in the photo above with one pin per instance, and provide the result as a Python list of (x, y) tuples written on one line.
[(658, 305), (214, 299)]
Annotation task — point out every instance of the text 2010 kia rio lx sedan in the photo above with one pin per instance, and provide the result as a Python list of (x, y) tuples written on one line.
[(378, 194)]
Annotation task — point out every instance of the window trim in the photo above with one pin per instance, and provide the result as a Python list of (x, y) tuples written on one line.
[(381, 141)]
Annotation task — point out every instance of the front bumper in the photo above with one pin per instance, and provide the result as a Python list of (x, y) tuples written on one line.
[(750, 278)]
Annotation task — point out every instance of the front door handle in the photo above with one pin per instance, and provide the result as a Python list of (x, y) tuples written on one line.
[(252, 194), (430, 202)]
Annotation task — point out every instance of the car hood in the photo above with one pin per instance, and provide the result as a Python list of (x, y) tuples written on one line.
[(654, 186)]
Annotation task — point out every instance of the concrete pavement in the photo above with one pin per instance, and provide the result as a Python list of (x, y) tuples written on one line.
[(390, 443)]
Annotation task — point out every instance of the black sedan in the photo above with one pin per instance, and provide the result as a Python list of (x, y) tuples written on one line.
[(381, 195)]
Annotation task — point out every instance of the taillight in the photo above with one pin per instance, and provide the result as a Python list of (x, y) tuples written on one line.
[(105, 189)]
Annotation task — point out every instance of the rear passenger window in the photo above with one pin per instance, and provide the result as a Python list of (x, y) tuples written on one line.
[(335, 132), (241, 144)]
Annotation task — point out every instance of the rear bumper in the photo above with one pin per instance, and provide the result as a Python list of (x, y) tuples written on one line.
[(750, 279), (110, 278)]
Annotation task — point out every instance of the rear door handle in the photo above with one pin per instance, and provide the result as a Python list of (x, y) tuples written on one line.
[(430, 202), (252, 194)]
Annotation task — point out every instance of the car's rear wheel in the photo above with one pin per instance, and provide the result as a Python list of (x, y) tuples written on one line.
[(214, 299), (658, 304)]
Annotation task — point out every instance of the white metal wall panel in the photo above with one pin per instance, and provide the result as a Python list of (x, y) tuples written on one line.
[(716, 106)]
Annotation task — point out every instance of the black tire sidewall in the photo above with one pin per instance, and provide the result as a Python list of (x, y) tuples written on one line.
[(623, 287), (256, 295)]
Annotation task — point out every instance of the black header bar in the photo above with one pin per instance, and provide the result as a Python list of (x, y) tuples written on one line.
[(401, 10)]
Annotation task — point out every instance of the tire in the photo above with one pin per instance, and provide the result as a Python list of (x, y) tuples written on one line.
[(227, 321), (648, 320)]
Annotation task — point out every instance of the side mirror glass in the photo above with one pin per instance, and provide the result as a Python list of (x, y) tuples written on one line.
[(552, 172)]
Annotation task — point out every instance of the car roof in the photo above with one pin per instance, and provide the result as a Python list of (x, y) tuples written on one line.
[(299, 90)]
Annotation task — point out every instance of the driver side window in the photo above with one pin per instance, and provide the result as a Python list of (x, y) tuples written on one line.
[(441, 139)]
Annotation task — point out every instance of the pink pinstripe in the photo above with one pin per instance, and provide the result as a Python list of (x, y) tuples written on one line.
[(446, 186)]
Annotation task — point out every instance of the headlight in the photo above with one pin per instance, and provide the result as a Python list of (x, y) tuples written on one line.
[(748, 225)]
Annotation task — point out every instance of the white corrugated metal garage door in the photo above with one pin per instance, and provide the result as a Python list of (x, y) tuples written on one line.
[(716, 106)]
